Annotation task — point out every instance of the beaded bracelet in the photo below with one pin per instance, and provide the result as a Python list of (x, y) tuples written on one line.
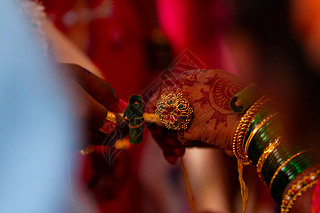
[(289, 172), (297, 189), (238, 140)]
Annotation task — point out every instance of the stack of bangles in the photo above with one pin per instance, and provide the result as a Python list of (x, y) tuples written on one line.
[(258, 141)]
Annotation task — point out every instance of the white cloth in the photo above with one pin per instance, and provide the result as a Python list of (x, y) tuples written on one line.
[(35, 126)]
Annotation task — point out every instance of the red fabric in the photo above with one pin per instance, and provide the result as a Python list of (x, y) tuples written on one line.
[(200, 27), (116, 46), (315, 204)]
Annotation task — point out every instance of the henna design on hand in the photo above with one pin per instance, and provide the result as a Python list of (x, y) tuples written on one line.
[(218, 94)]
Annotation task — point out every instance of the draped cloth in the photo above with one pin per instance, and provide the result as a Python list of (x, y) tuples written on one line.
[(315, 204)]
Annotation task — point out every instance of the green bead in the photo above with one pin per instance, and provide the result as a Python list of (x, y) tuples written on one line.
[(170, 102), (180, 106)]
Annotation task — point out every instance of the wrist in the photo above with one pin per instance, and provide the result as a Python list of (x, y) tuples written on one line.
[(281, 165), (300, 190)]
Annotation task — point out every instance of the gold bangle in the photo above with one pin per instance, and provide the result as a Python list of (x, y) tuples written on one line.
[(238, 139), (266, 152), (255, 130), (297, 189), (283, 165)]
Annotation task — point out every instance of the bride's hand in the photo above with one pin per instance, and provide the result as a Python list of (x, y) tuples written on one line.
[(209, 93)]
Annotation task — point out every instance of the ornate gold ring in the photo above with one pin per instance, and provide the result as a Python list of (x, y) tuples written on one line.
[(174, 111)]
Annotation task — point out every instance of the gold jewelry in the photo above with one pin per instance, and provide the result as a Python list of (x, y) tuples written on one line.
[(255, 130), (238, 139), (110, 123), (265, 155), (111, 117), (122, 144), (90, 149), (137, 126), (283, 165), (174, 111), (297, 189)]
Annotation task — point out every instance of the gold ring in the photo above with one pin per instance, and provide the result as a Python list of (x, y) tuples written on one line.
[(174, 111)]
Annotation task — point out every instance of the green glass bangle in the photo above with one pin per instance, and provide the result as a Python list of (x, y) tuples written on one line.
[(272, 127), (289, 172), (291, 168), (261, 140), (262, 114), (277, 158)]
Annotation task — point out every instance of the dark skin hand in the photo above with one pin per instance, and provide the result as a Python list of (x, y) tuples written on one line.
[(93, 98), (108, 179), (214, 123)]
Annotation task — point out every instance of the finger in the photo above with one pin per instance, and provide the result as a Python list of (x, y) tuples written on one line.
[(171, 138), (155, 129), (193, 132), (173, 142), (182, 139), (176, 151), (179, 151), (163, 136), (172, 159), (95, 86)]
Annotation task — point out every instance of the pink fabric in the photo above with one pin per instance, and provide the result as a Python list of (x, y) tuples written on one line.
[(199, 27), (123, 104)]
